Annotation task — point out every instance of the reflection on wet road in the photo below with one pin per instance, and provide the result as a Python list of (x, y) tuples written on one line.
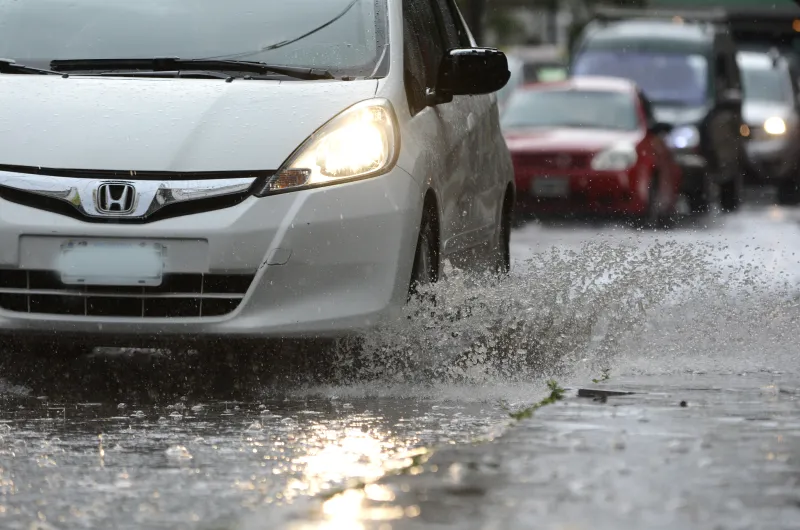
[(132, 466), (694, 452), (146, 442)]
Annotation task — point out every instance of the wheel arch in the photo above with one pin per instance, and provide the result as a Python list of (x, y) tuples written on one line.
[(430, 206)]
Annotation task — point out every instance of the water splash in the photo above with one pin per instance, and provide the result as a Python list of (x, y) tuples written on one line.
[(558, 310)]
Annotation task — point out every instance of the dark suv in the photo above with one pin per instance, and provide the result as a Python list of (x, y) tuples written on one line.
[(688, 70)]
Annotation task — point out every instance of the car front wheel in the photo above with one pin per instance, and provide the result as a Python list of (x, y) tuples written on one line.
[(426, 257), (730, 194), (502, 254)]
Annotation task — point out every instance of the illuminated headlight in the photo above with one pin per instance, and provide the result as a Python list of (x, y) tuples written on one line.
[(684, 137), (360, 142), (775, 126), (617, 158)]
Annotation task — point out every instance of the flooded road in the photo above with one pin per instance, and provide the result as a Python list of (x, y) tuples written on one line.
[(123, 444)]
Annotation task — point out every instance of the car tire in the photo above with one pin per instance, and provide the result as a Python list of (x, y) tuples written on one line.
[(730, 193), (789, 192), (502, 252), (700, 200), (652, 213), (425, 269)]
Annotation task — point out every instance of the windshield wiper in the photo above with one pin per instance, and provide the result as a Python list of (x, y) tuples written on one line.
[(288, 42), (169, 64), (10, 66)]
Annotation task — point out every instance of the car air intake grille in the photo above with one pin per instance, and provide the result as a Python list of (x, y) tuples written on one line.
[(552, 161), (180, 295)]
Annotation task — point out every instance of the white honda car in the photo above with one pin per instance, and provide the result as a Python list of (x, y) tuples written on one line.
[(198, 169)]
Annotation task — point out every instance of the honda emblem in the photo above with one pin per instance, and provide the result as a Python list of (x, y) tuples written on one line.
[(115, 198)]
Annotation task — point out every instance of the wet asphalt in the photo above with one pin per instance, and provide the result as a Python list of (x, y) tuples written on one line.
[(147, 440), (703, 451)]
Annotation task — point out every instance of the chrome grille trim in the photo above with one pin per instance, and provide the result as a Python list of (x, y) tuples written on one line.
[(100, 294), (185, 295), (151, 195)]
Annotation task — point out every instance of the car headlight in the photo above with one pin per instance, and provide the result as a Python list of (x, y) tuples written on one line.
[(616, 158), (775, 126), (684, 137), (360, 142)]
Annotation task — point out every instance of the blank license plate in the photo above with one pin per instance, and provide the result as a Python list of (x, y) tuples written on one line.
[(550, 187), (112, 263)]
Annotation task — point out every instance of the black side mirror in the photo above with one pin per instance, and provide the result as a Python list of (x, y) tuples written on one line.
[(661, 128), (470, 72)]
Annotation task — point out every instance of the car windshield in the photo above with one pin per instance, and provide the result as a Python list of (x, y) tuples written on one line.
[(570, 108), (766, 84), (666, 77), (343, 36)]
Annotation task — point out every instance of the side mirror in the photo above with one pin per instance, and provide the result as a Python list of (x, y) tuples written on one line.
[(731, 98), (661, 128), (470, 72)]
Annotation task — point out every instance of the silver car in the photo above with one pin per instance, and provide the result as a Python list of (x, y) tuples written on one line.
[(772, 121), (207, 170)]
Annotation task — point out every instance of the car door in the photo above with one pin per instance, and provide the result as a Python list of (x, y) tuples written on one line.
[(476, 122), (663, 159), (440, 130)]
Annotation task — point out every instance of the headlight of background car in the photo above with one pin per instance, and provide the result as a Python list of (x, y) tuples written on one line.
[(617, 158), (775, 126), (684, 137), (360, 142)]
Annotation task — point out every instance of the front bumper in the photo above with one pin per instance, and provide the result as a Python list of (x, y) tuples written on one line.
[(695, 171), (771, 159), (589, 192), (324, 262)]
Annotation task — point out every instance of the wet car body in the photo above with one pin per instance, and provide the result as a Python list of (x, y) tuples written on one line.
[(567, 165), (160, 199), (689, 72), (772, 119)]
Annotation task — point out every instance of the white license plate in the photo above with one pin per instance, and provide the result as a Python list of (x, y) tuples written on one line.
[(550, 187), (112, 263)]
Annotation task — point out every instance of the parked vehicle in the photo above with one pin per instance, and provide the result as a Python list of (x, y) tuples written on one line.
[(532, 64), (765, 27), (689, 72), (516, 79), (542, 63), (177, 177), (590, 145), (772, 121)]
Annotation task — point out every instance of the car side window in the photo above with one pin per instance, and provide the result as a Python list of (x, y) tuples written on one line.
[(423, 50), (464, 40), (452, 29)]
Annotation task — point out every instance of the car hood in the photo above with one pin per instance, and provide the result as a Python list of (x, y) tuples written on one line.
[(679, 115), (138, 124), (558, 139), (757, 112)]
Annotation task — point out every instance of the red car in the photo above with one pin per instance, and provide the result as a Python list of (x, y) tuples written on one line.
[(590, 146)]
